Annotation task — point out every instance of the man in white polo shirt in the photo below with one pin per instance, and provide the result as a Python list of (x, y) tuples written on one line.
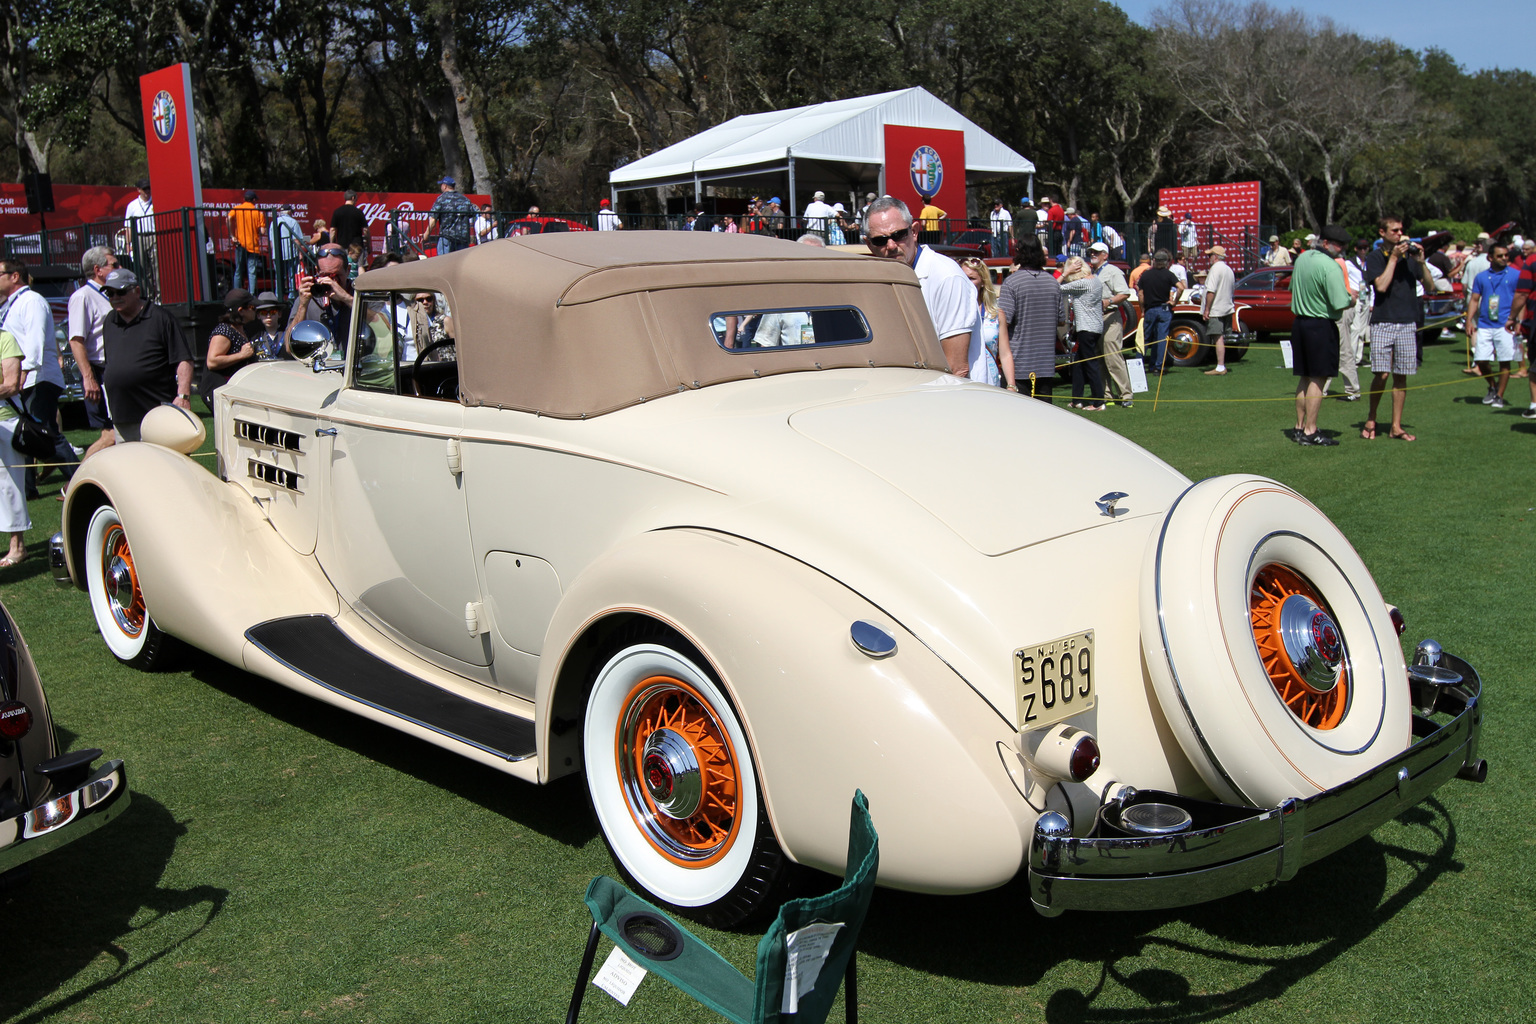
[(947, 292), (88, 310)]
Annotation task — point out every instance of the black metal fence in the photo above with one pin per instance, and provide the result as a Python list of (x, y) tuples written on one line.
[(187, 256)]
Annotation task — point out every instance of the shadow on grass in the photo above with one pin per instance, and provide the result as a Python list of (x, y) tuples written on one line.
[(1290, 931), (546, 809), (86, 905)]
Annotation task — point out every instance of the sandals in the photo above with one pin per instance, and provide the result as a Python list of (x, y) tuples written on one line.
[(1402, 435), (10, 560), (1368, 432)]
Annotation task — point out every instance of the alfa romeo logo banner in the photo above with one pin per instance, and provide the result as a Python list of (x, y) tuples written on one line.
[(926, 162)]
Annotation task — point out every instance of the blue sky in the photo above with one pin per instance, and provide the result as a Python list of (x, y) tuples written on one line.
[(1484, 34)]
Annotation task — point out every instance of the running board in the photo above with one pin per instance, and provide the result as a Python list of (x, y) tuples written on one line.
[(314, 647)]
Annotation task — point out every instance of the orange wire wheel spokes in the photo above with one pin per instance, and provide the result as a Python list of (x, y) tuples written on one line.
[(1301, 646), (121, 580), (679, 771)]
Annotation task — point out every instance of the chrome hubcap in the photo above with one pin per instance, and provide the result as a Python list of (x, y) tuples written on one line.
[(672, 776), (120, 583), (1312, 642)]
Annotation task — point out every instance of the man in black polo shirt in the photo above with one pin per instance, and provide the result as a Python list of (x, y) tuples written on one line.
[(149, 359), (1158, 290)]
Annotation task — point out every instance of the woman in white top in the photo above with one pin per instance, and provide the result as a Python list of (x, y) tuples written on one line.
[(991, 357)]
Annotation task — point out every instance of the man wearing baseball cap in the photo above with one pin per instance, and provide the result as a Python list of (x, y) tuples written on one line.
[(246, 226), (149, 358), (452, 217), (607, 220), (1319, 295), (1217, 307)]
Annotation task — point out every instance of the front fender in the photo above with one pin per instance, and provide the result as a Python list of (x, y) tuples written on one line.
[(822, 718), (208, 561)]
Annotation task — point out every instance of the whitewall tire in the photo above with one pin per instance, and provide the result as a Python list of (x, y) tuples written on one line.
[(117, 599), (673, 786), (1271, 650)]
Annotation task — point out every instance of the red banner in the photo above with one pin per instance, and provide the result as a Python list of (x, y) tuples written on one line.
[(929, 161), (1227, 214), (170, 143)]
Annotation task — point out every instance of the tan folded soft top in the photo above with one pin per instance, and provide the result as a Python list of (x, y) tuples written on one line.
[(578, 324)]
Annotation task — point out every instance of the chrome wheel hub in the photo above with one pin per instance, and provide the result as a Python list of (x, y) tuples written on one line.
[(119, 582), (1312, 642), (671, 773)]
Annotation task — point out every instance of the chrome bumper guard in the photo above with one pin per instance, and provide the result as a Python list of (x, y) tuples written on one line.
[(1230, 849), (65, 818)]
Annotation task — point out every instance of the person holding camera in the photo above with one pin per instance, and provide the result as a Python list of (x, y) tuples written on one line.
[(1394, 269), (325, 296)]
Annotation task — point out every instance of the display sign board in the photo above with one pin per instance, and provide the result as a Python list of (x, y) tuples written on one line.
[(170, 143), (1227, 213), (926, 160)]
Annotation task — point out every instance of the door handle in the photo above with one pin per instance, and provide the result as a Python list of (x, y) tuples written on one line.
[(325, 432)]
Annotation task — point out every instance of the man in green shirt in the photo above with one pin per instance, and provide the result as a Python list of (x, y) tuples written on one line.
[(1318, 296)]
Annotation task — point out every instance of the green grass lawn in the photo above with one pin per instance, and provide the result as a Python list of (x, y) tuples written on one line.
[(283, 860)]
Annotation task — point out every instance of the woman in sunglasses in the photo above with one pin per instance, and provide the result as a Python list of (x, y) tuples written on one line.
[(991, 330)]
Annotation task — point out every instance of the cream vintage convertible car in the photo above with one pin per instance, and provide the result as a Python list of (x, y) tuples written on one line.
[(703, 518)]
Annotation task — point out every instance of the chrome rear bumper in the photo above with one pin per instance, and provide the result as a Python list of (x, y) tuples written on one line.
[(65, 818), (1230, 849)]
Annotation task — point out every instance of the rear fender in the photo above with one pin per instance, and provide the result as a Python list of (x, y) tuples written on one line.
[(822, 718), (208, 560)]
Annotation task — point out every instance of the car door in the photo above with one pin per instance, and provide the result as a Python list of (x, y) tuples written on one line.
[(395, 536)]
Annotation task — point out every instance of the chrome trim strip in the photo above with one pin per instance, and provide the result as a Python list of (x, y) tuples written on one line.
[(1149, 873), (97, 801)]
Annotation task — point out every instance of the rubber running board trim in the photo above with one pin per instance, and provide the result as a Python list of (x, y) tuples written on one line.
[(314, 647)]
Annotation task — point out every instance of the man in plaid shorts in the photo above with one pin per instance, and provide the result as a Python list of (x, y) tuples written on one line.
[(1394, 268)]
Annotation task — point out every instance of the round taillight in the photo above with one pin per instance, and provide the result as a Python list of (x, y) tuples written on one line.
[(1398, 622), (15, 720), (1085, 758)]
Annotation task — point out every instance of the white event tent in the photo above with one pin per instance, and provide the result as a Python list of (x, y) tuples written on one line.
[(837, 147)]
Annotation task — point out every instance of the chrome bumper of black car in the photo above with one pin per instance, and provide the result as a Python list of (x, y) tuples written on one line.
[(65, 818), (1231, 849)]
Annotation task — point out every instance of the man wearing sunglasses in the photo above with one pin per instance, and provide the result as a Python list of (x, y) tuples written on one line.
[(149, 357), (947, 292), (326, 297), (88, 312)]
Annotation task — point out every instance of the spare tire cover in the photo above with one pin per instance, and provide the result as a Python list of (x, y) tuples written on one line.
[(1271, 650)]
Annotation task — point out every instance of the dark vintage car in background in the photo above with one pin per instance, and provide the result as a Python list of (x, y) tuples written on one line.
[(47, 798), (1267, 294)]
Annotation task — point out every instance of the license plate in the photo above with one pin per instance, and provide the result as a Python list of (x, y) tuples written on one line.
[(1054, 680)]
